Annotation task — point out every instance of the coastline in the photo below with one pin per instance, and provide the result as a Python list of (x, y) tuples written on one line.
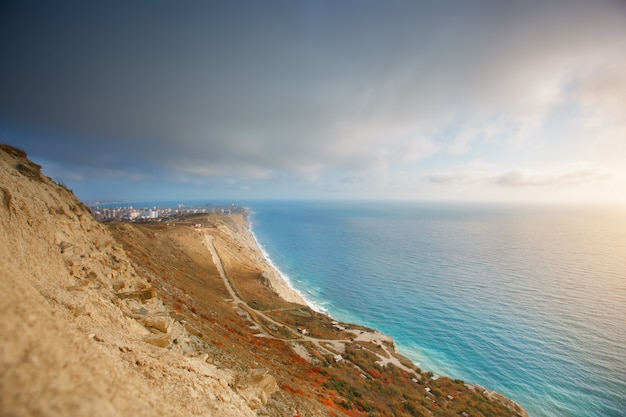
[(279, 281), (281, 285), (271, 275), (149, 298)]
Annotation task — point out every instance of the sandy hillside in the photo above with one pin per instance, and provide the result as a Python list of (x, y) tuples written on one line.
[(180, 318), (83, 333)]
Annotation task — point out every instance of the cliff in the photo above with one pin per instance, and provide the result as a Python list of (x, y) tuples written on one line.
[(180, 318)]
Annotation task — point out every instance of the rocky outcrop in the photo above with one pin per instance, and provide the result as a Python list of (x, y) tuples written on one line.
[(84, 334), (256, 386)]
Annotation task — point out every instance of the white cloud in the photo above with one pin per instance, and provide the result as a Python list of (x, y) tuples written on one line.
[(571, 175), (574, 174)]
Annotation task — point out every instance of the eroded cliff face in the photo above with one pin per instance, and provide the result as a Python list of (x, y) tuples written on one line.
[(83, 333), (178, 319)]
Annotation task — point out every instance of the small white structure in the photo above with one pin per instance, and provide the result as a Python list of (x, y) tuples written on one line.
[(338, 358)]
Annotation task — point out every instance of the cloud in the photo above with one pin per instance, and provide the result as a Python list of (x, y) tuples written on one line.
[(290, 89), (449, 178), (570, 175), (601, 95)]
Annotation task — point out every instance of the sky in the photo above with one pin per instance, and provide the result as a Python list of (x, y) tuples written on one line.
[(469, 100)]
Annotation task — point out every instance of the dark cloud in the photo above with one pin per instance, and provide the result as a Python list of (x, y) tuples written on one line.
[(213, 88)]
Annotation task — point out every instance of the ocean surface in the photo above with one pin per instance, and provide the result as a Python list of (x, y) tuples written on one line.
[(528, 301)]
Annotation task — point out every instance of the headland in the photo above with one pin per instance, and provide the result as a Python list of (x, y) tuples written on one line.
[(182, 317)]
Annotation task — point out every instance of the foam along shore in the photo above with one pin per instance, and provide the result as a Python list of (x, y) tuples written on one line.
[(241, 230), (276, 277), (276, 281), (383, 341)]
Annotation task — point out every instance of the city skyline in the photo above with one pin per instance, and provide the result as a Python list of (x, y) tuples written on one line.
[(417, 100)]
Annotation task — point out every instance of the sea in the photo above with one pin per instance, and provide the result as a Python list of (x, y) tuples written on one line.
[(529, 301)]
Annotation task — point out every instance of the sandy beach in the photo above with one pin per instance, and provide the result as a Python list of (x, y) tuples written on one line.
[(239, 228)]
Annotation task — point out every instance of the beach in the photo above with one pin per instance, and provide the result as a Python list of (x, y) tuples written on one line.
[(249, 251)]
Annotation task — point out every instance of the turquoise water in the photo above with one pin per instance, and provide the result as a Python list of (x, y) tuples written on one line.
[(530, 302)]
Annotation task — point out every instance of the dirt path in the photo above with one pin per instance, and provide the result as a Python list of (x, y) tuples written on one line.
[(208, 240), (374, 337)]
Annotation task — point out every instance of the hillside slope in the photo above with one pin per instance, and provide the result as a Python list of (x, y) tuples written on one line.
[(77, 336), (180, 318)]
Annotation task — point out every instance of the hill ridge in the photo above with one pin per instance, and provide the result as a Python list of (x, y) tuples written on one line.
[(129, 319)]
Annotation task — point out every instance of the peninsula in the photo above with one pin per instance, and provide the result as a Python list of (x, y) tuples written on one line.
[(178, 318)]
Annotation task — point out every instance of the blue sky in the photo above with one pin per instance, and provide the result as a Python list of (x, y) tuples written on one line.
[(519, 101)]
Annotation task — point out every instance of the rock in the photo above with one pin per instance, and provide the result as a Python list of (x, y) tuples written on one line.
[(118, 285), (255, 387), (66, 247), (176, 316), (265, 280), (161, 340), (139, 295), (161, 324)]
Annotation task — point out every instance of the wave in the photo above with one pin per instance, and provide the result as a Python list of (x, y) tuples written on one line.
[(530, 306), (313, 305)]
